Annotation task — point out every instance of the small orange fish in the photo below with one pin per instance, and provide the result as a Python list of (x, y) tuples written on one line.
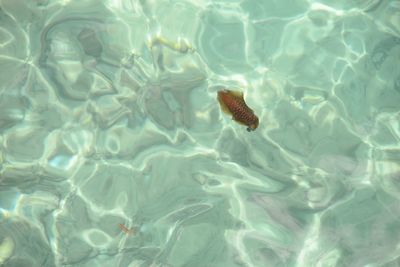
[(232, 103), (126, 230)]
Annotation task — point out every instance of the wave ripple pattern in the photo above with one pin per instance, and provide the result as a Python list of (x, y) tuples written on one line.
[(114, 150)]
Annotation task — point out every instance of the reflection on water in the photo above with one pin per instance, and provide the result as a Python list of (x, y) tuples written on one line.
[(114, 151)]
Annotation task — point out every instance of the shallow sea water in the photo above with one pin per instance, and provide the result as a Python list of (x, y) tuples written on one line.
[(114, 150)]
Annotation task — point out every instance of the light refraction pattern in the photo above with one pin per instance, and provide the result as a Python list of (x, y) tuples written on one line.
[(114, 151)]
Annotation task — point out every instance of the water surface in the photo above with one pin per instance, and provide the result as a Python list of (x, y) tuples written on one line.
[(114, 150)]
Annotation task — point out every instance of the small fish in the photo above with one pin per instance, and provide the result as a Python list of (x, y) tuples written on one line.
[(232, 103), (126, 230)]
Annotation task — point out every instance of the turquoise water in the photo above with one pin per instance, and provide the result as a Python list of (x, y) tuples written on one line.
[(114, 150)]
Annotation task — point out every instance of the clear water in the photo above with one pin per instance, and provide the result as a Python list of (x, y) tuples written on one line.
[(109, 117)]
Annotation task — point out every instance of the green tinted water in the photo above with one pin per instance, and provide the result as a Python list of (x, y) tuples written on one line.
[(114, 150)]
